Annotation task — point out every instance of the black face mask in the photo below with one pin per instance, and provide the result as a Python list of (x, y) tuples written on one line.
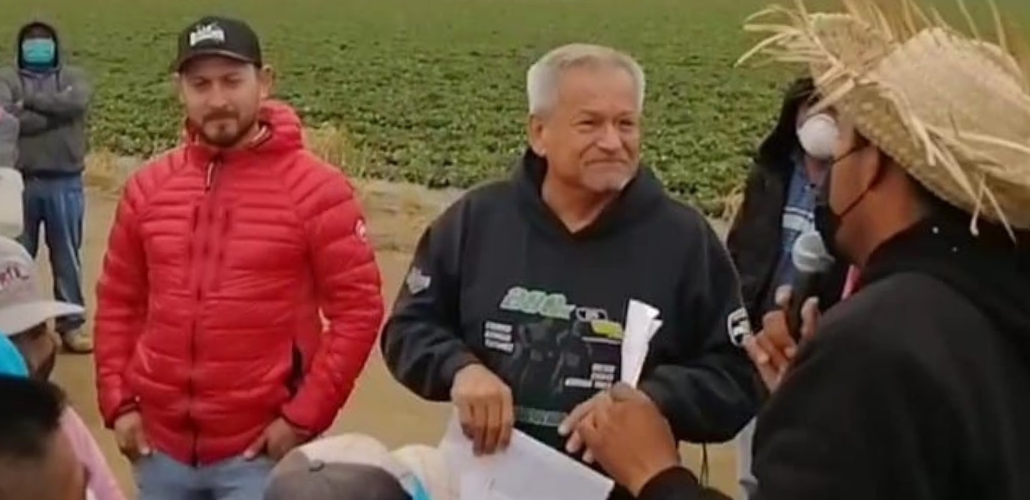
[(827, 222)]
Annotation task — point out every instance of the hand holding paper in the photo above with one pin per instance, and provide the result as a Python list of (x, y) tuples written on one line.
[(527, 470), (641, 324), (530, 470)]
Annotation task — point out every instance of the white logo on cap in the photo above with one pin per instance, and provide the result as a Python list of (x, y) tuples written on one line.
[(207, 32)]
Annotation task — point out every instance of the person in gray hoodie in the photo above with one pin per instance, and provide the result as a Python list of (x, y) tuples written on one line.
[(51, 98)]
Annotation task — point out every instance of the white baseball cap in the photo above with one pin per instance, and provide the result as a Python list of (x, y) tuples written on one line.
[(352, 467), (22, 305)]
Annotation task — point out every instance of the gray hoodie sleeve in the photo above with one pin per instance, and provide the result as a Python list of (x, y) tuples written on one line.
[(9, 128), (6, 96), (71, 102), (30, 122)]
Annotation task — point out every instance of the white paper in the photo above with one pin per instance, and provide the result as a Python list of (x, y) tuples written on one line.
[(526, 470), (641, 324)]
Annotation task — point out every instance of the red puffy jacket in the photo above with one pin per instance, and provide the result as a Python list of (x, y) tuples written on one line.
[(208, 309)]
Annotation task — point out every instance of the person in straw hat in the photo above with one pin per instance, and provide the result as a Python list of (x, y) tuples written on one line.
[(916, 386)]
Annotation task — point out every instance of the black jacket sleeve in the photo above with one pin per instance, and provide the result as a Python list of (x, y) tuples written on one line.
[(709, 392), (421, 341), (678, 483), (855, 419), (749, 241)]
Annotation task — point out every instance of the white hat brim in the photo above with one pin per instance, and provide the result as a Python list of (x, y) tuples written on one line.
[(21, 317)]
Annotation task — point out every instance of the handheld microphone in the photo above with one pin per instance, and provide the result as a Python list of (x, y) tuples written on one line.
[(812, 261)]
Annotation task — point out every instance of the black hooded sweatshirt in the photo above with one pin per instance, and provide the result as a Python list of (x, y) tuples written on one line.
[(498, 279), (917, 387)]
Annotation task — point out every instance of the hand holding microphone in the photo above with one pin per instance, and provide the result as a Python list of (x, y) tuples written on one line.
[(772, 350), (811, 263)]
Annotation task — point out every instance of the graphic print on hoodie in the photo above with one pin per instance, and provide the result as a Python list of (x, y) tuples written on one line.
[(498, 279)]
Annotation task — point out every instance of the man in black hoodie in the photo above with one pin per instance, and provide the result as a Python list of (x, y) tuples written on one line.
[(51, 98), (916, 386), (516, 299)]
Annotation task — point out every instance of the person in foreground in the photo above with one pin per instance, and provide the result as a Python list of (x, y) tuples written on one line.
[(516, 298), (27, 349), (37, 460), (915, 386), (224, 257), (50, 97)]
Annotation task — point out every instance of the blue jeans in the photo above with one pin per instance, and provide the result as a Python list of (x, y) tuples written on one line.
[(58, 204), (160, 477)]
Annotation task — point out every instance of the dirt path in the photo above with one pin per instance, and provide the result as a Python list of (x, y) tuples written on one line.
[(380, 406)]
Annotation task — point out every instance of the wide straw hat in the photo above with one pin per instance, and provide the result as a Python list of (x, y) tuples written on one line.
[(952, 110)]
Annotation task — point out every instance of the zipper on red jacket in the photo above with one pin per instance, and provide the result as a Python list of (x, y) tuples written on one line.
[(209, 183)]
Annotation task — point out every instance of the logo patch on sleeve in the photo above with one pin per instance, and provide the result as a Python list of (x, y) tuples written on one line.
[(417, 282), (738, 326)]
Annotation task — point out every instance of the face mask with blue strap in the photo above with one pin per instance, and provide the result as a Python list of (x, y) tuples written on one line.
[(38, 51)]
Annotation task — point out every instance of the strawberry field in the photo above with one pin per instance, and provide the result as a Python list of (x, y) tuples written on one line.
[(432, 91)]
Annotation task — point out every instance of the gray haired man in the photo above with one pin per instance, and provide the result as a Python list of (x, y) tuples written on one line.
[(517, 295)]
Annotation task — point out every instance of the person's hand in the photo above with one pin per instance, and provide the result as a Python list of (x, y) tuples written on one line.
[(772, 350), (128, 433), (276, 441), (630, 438), (485, 408), (583, 412)]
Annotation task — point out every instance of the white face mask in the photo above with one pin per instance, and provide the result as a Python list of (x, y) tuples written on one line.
[(818, 136)]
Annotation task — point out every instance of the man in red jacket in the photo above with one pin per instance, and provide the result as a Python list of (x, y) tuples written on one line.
[(224, 257)]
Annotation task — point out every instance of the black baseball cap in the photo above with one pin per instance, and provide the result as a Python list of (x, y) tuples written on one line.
[(218, 36)]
